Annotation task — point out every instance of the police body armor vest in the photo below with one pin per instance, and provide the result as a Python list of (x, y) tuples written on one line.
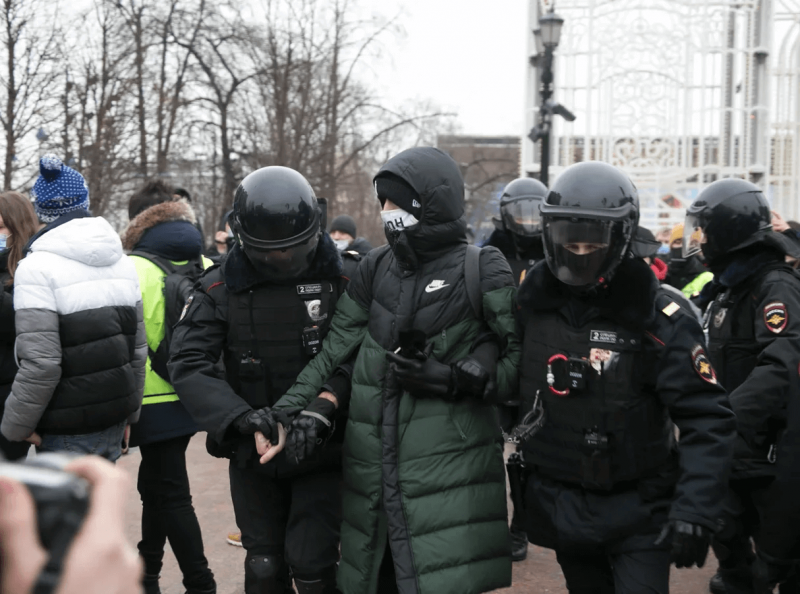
[(273, 332), (730, 325), (519, 268), (610, 427)]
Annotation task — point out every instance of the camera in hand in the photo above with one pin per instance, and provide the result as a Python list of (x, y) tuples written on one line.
[(412, 344), (62, 500)]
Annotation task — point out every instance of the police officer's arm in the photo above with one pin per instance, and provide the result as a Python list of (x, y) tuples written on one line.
[(764, 395), (347, 331), (197, 344), (698, 405), (499, 305)]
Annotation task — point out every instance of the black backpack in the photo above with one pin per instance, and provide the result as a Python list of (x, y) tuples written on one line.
[(178, 284)]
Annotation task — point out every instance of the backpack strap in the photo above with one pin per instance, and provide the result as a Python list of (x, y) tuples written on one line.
[(472, 278)]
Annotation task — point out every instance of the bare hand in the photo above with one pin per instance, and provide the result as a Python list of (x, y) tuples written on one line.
[(34, 438), (100, 559), (264, 447), (778, 224)]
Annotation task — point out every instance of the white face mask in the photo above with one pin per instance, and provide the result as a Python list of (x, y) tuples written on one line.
[(398, 219), (341, 244)]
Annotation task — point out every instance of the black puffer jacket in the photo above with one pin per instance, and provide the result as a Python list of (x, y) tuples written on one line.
[(424, 474)]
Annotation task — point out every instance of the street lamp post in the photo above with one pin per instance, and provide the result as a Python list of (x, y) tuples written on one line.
[(547, 37)]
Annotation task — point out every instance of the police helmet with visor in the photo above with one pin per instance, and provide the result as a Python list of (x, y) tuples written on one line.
[(519, 206), (588, 220), (277, 221), (728, 215)]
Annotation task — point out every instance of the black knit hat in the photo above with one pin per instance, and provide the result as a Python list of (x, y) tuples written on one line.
[(395, 188), (345, 224)]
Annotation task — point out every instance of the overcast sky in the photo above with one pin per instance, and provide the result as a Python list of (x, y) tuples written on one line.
[(468, 57)]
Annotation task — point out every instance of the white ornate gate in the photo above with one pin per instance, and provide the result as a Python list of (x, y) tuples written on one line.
[(680, 93)]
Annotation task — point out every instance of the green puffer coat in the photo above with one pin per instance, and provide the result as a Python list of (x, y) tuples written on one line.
[(424, 474)]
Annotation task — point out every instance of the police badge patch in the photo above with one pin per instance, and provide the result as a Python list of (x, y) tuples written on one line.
[(314, 308), (776, 317), (702, 365), (720, 317)]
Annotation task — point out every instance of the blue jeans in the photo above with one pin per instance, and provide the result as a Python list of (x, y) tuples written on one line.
[(106, 443)]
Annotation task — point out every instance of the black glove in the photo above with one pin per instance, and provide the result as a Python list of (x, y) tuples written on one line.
[(311, 428), (689, 543), (264, 420), (475, 374), (424, 378)]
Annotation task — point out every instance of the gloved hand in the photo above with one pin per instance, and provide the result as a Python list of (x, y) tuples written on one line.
[(476, 373), (689, 543), (310, 429), (264, 420), (424, 378)]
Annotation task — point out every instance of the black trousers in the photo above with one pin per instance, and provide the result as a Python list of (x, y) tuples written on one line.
[(297, 518), (167, 513), (632, 572)]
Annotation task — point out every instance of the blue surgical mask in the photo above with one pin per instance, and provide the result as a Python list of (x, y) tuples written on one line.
[(3, 241), (341, 244)]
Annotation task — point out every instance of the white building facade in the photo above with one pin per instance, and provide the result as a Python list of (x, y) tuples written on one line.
[(678, 93)]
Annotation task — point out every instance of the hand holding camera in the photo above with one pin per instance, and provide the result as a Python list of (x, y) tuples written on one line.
[(54, 538)]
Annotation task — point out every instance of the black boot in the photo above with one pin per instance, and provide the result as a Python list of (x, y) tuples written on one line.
[(519, 544), (716, 585), (150, 584)]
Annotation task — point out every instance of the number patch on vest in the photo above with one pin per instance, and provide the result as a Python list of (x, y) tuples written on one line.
[(603, 336), (702, 365), (776, 317), (309, 289)]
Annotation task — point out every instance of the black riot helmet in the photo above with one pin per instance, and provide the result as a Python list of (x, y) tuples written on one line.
[(276, 219), (588, 220), (519, 207), (728, 215)]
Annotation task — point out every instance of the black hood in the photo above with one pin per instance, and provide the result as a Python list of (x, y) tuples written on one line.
[(437, 179)]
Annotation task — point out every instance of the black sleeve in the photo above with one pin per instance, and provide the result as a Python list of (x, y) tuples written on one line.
[(197, 345), (360, 286), (340, 382), (760, 402), (7, 329), (698, 405)]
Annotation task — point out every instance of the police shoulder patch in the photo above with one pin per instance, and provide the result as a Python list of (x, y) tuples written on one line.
[(670, 309), (776, 317), (702, 365)]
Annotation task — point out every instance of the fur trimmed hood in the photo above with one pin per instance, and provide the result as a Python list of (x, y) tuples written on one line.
[(155, 215)]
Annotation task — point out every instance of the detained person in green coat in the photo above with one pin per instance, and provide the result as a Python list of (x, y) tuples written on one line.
[(424, 500)]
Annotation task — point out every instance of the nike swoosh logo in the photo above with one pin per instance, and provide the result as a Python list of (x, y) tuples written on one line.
[(431, 288)]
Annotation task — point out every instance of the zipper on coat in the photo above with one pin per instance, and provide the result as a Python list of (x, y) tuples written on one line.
[(458, 427)]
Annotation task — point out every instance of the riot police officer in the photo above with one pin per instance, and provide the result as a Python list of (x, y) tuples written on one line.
[(753, 326), (265, 311), (611, 363), (518, 234)]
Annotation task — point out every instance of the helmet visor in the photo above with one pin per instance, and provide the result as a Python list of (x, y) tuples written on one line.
[(522, 217), (693, 236), (282, 264), (579, 251)]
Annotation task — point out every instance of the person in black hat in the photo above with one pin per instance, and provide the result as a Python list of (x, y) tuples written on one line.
[(352, 248)]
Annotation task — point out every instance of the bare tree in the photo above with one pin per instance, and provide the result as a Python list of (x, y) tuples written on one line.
[(28, 40)]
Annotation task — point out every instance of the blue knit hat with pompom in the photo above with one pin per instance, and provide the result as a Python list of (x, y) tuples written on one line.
[(59, 190)]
